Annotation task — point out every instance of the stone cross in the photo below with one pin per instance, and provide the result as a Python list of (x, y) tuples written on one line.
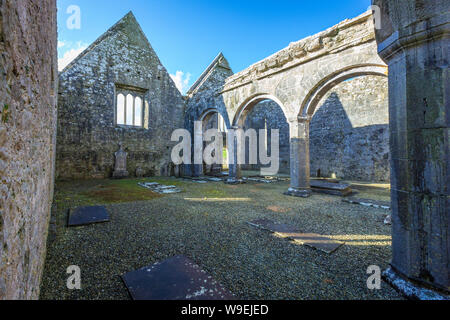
[(120, 168)]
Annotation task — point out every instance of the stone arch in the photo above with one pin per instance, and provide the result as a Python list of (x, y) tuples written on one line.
[(248, 104), (315, 95), (209, 112)]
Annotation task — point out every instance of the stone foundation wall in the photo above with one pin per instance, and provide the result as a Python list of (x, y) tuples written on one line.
[(88, 135), (349, 132), (28, 74)]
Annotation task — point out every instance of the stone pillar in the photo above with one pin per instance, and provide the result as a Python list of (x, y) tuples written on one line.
[(414, 42), (299, 160), (198, 149), (234, 168)]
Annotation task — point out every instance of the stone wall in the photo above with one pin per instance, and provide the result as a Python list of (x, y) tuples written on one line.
[(349, 132), (28, 74), (267, 114), (88, 135)]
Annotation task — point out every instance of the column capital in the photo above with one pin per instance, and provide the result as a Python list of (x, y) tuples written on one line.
[(298, 119), (411, 28)]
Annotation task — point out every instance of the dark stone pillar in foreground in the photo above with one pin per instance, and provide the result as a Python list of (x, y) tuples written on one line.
[(414, 42), (299, 160)]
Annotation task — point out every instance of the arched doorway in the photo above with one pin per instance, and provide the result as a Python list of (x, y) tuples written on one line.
[(212, 119)]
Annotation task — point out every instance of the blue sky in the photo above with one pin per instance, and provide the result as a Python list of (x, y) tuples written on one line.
[(187, 35)]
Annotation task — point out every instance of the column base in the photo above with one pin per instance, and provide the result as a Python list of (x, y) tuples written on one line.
[(120, 174), (409, 289), (295, 192)]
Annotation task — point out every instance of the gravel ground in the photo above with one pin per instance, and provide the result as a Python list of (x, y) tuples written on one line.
[(207, 223)]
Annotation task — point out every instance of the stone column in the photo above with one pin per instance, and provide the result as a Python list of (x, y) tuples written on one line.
[(299, 160), (198, 149), (234, 168), (414, 42)]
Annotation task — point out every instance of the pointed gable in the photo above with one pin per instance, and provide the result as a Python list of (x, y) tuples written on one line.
[(127, 25), (220, 63)]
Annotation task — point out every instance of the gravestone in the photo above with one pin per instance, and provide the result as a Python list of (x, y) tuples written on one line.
[(337, 189), (120, 168), (87, 215), (286, 231), (177, 278), (140, 172)]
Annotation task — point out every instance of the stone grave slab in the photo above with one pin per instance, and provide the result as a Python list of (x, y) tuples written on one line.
[(87, 215), (313, 240), (177, 278), (369, 203), (214, 179), (316, 241), (338, 189), (159, 188), (278, 228)]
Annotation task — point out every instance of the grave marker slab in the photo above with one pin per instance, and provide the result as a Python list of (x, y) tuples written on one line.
[(177, 278), (87, 215), (338, 189), (316, 241), (313, 240), (369, 203)]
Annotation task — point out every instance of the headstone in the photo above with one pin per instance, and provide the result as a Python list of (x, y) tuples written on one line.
[(87, 215), (177, 278), (140, 172), (120, 168)]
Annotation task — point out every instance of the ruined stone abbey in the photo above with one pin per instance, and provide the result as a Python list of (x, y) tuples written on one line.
[(351, 102)]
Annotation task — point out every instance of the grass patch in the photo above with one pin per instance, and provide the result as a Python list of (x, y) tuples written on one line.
[(120, 192), (95, 192)]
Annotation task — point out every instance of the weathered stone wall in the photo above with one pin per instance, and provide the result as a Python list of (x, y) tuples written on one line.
[(28, 74), (349, 132), (88, 135)]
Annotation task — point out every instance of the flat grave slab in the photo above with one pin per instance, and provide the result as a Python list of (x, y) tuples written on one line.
[(269, 225), (160, 188), (338, 189), (87, 215), (313, 240), (316, 241), (177, 278), (369, 203)]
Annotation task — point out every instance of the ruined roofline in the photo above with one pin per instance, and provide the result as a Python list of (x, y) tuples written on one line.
[(105, 35), (205, 74), (301, 46)]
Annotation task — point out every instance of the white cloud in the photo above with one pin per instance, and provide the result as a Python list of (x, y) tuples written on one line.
[(61, 44), (181, 81), (69, 56)]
